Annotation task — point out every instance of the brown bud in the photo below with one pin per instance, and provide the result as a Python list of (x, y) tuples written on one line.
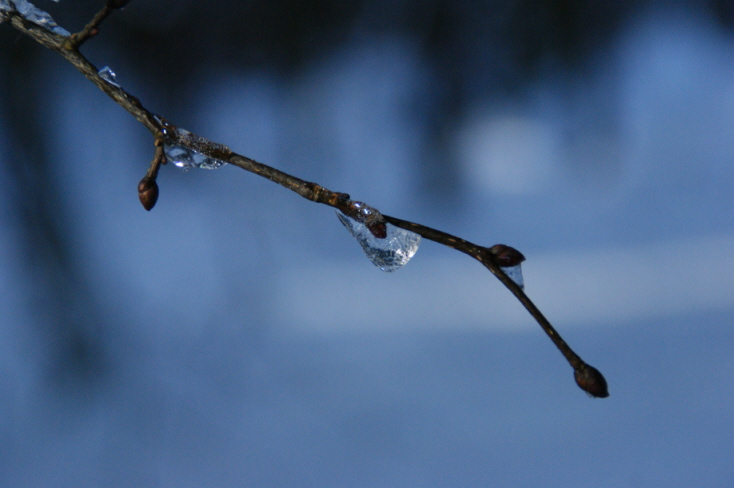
[(148, 192), (378, 229), (591, 381), (506, 256)]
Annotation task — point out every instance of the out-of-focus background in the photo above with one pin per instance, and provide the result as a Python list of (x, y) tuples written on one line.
[(236, 335)]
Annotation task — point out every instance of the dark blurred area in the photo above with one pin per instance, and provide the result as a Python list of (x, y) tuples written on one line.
[(470, 53)]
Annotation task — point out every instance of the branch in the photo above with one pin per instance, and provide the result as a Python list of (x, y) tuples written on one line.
[(198, 151)]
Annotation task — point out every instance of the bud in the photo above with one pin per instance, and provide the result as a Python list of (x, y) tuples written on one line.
[(148, 192), (370, 217), (506, 256), (591, 381), (117, 4), (378, 229)]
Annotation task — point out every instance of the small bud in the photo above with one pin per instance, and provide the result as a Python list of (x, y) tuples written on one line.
[(148, 192), (378, 230), (117, 4), (370, 217), (591, 381), (506, 256)]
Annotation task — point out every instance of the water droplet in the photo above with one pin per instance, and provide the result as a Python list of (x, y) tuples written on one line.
[(109, 76), (388, 253), (515, 274), (187, 156)]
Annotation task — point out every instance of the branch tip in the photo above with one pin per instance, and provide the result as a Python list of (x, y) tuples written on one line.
[(148, 192), (591, 381)]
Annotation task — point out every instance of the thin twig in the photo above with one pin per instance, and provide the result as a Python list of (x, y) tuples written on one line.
[(587, 377), (91, 29)]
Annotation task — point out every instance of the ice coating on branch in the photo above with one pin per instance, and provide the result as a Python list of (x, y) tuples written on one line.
[(515, 274), (33, 14), (388, 247), (109, 76), (187, 150)]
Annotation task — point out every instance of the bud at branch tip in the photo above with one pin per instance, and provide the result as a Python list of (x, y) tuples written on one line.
[(591, 381), (148, 192)]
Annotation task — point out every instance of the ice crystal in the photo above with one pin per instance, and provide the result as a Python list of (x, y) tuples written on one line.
[(33, 14), (515, 274), (388, 247), (109, 76), (187, 150)]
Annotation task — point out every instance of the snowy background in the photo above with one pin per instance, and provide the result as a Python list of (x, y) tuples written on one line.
[(236, 335)]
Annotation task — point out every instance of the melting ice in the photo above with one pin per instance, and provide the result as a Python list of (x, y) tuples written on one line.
[(109, 76), (515, 274), (389, 253), (34, 14), (186, 156)]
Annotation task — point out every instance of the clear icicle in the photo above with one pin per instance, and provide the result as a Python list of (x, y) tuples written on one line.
[(184, 150), (388, 253), (515, 274), (34, 14), (109, 76)]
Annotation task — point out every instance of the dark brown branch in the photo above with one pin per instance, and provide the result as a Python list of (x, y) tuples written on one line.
[(59, 44), (587, 377)]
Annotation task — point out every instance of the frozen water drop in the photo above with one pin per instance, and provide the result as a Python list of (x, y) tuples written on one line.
[(186, 158), (515, 274), (34, 14), (181, 150), (109, 76), (389, 253)]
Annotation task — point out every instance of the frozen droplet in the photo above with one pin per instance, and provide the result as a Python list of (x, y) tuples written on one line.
[(34, 14), (109, 76), (515, 274), (184, 149), (183, 157), (389, 253)]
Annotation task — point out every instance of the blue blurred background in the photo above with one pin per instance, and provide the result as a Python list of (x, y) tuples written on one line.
[(237, 336)]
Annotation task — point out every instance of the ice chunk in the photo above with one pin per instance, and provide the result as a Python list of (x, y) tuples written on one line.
[(388, 247), (515, 274), (109, 76), (184, 157), (34, 14), (185, 150)]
